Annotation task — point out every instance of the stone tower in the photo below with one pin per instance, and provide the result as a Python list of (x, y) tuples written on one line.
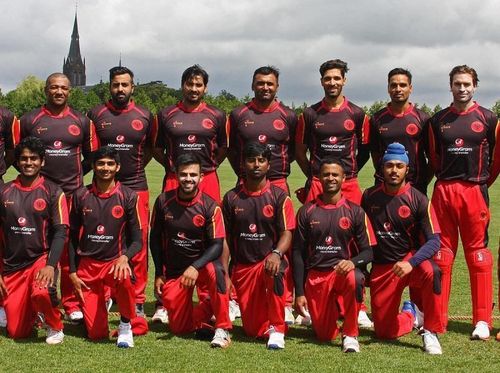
[(74, 66)]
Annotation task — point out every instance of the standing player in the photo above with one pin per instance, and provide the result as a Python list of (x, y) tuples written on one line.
[(187, 231), (401, 122), (466, 159), (129, 128), (105, 235), (34, 222), (66, 135), (259, 219), (332, 242), (193, 126), (401, 216), (333, 127)]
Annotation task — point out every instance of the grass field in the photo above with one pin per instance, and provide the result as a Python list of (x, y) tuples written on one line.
[(160, 350)]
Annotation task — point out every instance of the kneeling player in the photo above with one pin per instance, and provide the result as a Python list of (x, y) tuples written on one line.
[(259, 218), (187, 233), (401, 215), (105, 235), (32, 209), (332, 241)]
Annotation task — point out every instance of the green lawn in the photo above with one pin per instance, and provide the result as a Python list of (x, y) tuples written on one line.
[(160, 350)]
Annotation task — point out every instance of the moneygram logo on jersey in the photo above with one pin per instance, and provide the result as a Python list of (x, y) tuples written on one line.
[(22, 227), (100, 236), (331, 144), (254, 235), (121, 143), (57, 150), (458, 148), (328, 247), (192, 143)]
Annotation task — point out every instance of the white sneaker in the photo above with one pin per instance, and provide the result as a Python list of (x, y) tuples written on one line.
[(160, 315), (75, 316), (431, 343), (54, 337), (289, 317), (419, 318), (221, 338), (276, 340), (234, 310), (3, 318), (482, 331), (125, 336), (350, 344), (364, 321), (305, 321)]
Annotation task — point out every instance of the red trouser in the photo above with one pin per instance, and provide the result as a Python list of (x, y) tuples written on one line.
[(96, 276), (386, 289), (183, 317), (139, 261), (208, 185), (350, 190), (68, 297), (261, 298), (25, 299), (321, 290), (462, 206)]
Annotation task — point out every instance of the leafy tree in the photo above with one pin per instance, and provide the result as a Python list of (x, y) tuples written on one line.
[(436, 109), (496, 108), (376, 106), (426, 109), (27, 96)]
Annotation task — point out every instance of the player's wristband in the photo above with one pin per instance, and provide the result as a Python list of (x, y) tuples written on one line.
[(277, 252)]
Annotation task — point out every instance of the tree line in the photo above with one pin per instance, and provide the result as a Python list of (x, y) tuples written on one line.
[(154, 95)]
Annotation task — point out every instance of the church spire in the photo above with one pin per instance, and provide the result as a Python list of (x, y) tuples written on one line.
[(74, 66)]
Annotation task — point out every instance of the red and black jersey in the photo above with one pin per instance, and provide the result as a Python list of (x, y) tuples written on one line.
[(338, 133), (131, 131), (327, 233), (401, 221), (7, 121), (202, 130), (274, 127), (104, 221), (408, 129), (462, 144), (27, 215), (186, 228), (66, 137), (254, 221)]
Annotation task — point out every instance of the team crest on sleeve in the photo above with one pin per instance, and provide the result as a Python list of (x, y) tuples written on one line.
[(137, 124), (58, 144), (279, 124), (21, 221), (349, 124), (198, 221), (404, 212), (207, 124), (117, 211), (412, 129), (477, 126), (39, 204), (74, 130), (268, 211), (100, 229), (344, 222)]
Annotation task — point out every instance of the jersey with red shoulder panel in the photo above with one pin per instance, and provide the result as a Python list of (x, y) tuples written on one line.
[(408, 129), (462, 144), (400, 221), (254, 221), (203, 131), (327, 234), (186, 228), (66, 137), (7, 120), (104, 221), (337, 133), (27, 215), (130, 131), (274, 127)]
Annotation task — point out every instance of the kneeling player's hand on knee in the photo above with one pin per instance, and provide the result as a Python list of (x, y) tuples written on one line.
[(78, 284), (120, 269), (45, 277), (401, 269), (344, 267), (189, 277)]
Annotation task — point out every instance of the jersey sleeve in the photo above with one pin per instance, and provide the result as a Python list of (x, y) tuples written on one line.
[(214, 223), (90, 140), (433, 144), (286, 214), (494, 148), (426, 217), (365, 237), (292, 127), (156, 237), (235, 143), (227, 213), (152, 133), (222, 130), (299, 250), (9, 120), (59, 208)]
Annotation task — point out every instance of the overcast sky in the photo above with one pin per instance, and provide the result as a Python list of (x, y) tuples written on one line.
[(230, 38)]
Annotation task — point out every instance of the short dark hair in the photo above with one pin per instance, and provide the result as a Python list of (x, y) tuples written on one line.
[(399, 71), (106, 152), (266, 70), (192, 71), (186, 159), (464, 69), (34, 144), (56, 75), (120, 70), (334, 64), (332, 160), (255, 149)]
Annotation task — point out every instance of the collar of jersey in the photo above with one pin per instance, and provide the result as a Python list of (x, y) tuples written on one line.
[(257, 193), (49, 113), (406, 112), (191, 202), (197, 109), (106, 194), (329, 206), (333, 110), (402, 190), (17, 183), (130, 106), (472, 108), (271, 108)]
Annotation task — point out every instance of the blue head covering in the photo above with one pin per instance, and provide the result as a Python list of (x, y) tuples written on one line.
[(395, 152)]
